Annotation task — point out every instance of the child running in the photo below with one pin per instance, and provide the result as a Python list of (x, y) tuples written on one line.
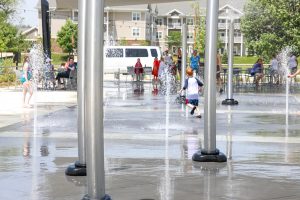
[(193, 85)]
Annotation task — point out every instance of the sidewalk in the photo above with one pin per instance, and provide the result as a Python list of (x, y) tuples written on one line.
[(148, 147)]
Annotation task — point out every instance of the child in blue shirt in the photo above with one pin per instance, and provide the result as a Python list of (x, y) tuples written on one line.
[(194, 62)]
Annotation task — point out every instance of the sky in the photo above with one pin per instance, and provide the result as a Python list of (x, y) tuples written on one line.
[(26, 13)]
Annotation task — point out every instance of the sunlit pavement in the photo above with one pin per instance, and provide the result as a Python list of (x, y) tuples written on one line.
[(149, 141)]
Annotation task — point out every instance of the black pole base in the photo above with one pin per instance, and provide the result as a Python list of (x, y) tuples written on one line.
[(230, 102), (76, 170), (203, 156), (106, 197)]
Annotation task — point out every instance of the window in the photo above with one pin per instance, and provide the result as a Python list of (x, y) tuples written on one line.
[(159, 35), (222, 20), (136, 53), (237, 34), (136, 16), (136, 32), (75, 15), (114, 53), (190, 35), (159, 21), (190, 21), (153, 53), (222, 34)]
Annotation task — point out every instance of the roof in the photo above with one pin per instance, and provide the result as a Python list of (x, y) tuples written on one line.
[(187, 9), (28, 30)]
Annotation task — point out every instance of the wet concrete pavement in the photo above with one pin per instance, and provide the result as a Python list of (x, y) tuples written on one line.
[(149, 142)]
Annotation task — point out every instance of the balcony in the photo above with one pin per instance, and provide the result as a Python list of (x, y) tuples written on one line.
[(174, 26), (223, 26)]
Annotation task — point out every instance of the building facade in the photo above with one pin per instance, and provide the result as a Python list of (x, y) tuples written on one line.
[(150, 24)]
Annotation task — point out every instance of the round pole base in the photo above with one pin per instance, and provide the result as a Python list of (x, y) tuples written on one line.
[(76, 170), (230, 102), (106, 197), (204, 156)]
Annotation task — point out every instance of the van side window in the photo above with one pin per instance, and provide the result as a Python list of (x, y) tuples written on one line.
[(153, 53), (114, 53), (136, 53)]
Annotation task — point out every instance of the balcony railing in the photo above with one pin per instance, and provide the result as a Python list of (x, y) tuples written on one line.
[(223, 25), (174, 26)]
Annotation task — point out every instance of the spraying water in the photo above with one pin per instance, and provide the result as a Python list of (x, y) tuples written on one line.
[(283, 69), (36, 57)]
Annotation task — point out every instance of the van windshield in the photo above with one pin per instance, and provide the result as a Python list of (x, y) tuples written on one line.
[(154, 53), (111, 53), (136, 53)]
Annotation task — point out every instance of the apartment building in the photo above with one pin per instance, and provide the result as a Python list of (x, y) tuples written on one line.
[(150, 24)]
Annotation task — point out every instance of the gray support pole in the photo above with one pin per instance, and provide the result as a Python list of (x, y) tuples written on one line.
[(79, 169), (107, 27), (184, 54), (210, 153), (230, 100), (94, 100), (80, 79)]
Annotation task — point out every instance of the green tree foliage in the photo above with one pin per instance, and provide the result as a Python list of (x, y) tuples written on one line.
[(270, 25), (123, 42), (10, 39), (7, 7), (199, 31), (67, 37), (174, 39)]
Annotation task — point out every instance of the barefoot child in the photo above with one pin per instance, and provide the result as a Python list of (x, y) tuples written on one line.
[(192, 85)]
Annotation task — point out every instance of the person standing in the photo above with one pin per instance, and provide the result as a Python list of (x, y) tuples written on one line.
[(155, 68), (219, 69), (179, 61), (274, 69), (138, 69), (195, 62), (26, 82), (292, 63)]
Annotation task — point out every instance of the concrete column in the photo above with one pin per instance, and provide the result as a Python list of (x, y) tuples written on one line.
[(229, 100), (94, 101), (184, 55), (79, 168), (210, 153)]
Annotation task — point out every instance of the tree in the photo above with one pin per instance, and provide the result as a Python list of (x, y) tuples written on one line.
[(10, 39), (199, 31), (174, 39), (123, 42), (67, 37), (7, 7), (270, 25)]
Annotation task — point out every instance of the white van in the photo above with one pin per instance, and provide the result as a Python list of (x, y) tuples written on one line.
[(120, 57)]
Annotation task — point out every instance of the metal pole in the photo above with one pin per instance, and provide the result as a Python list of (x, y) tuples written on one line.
[(94, 100), (210, 152), (80, 79), (230, 61), (230, 100), (210, 79), (183, 53), (107, 27), (79, 169)]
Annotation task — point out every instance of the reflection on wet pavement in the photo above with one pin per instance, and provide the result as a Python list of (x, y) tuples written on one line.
[(148, 148)]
